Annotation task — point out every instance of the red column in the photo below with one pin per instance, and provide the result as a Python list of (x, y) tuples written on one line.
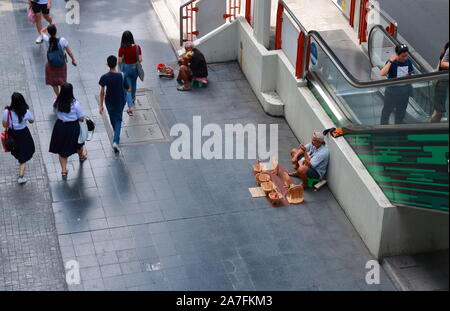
[(279, 28), (301, 55), (248, 11), (352, 13), (363, 21)]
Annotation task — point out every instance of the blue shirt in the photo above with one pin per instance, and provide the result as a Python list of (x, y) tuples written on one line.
[(319, 158), (76, 112), (401, 69), (115, 88)]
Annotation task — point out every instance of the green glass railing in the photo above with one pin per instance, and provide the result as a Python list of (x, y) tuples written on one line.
[(409, 161)]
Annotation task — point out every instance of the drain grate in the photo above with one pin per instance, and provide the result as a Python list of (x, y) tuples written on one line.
[(146, 125)]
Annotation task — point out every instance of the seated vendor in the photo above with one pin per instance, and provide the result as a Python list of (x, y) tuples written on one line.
[(192, 66), (311, 161)]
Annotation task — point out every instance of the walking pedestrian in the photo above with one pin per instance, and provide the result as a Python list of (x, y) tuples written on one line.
[(130, 55), (396, 98), (441, 89), (15, 118), (114, 97), (39, 8), (66, 131), (56, 67)]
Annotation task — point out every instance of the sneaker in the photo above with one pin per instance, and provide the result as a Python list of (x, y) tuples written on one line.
[(22, 180), (116, 147), (39, 40)]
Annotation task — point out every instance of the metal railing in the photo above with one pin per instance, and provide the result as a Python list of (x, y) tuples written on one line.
[(188, 18), (303, 42), (417, 63), (353, 81)]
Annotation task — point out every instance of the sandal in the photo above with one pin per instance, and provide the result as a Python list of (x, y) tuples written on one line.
[(64, 175), (183, 88), (83, 158)]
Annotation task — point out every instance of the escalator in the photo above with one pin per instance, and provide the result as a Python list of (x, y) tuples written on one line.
[(409, 161)]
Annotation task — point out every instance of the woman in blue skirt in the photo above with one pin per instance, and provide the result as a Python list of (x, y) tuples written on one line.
[(15, 118), (66, 131)]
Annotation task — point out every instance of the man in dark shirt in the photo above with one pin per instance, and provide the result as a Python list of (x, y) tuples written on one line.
[(396, 98), (192, 66), (115, 99)]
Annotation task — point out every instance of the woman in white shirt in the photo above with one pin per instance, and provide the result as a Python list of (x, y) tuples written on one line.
[(66, 131), (15, 118)]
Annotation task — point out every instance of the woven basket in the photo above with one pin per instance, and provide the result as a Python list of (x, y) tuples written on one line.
[(275, 197), (268, 187), (262, 177)]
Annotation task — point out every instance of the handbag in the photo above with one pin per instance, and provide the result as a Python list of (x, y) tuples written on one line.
[(31, 17), (7, 141), (139, 67), (83, 132)]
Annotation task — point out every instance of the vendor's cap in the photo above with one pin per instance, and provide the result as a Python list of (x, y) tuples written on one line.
[(319, 136)]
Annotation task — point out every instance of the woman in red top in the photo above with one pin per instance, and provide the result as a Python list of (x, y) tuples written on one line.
[(129, 55)]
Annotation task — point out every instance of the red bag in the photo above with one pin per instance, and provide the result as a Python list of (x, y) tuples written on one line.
[(7, 141)]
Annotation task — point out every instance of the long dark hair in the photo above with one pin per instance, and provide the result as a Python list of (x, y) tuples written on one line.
[(65, 98), (127, 39), (18, 105), (443, 52), (53, 41)]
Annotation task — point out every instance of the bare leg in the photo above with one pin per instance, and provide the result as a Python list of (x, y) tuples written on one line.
[(293, 153), (38, 19), (185, 76), (56, 90), (22, 167), (63, 162), (302, 173), (81, 152), (436, 117), (48, 18)]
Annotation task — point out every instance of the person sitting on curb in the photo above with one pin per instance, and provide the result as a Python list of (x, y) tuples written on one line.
[(311, 161), (192, 66)]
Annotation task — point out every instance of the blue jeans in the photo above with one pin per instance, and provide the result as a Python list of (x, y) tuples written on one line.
[(131, 74), (115, 117)]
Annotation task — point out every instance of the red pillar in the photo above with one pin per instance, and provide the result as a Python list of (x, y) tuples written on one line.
[(352, 13), (301, 55), (279, 28), (248, 11), (363, 21)]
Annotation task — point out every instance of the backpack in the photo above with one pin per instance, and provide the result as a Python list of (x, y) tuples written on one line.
[(56, 57)]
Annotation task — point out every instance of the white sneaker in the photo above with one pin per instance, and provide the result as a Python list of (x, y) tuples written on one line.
[(116, 147), (39, 40), (22, 180)]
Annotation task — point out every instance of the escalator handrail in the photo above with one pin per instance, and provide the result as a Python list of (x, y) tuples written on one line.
[(416, 62), (348, 76)]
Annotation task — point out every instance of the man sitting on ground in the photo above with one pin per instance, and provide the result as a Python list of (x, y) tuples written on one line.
[(192, 66), (311, 161)]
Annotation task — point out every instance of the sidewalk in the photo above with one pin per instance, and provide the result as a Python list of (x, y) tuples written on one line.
[(142, 221), (30, 257)]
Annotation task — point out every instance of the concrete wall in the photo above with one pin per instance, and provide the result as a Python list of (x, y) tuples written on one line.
[(385, 229)]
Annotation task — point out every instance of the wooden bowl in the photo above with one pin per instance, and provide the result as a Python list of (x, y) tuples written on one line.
[(262, 177), (268, 187)]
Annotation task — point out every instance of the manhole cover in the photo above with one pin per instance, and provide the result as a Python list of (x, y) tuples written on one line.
[(146, 125)]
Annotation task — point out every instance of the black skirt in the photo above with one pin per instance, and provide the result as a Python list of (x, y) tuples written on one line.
[(64, 141), (24, 145)]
